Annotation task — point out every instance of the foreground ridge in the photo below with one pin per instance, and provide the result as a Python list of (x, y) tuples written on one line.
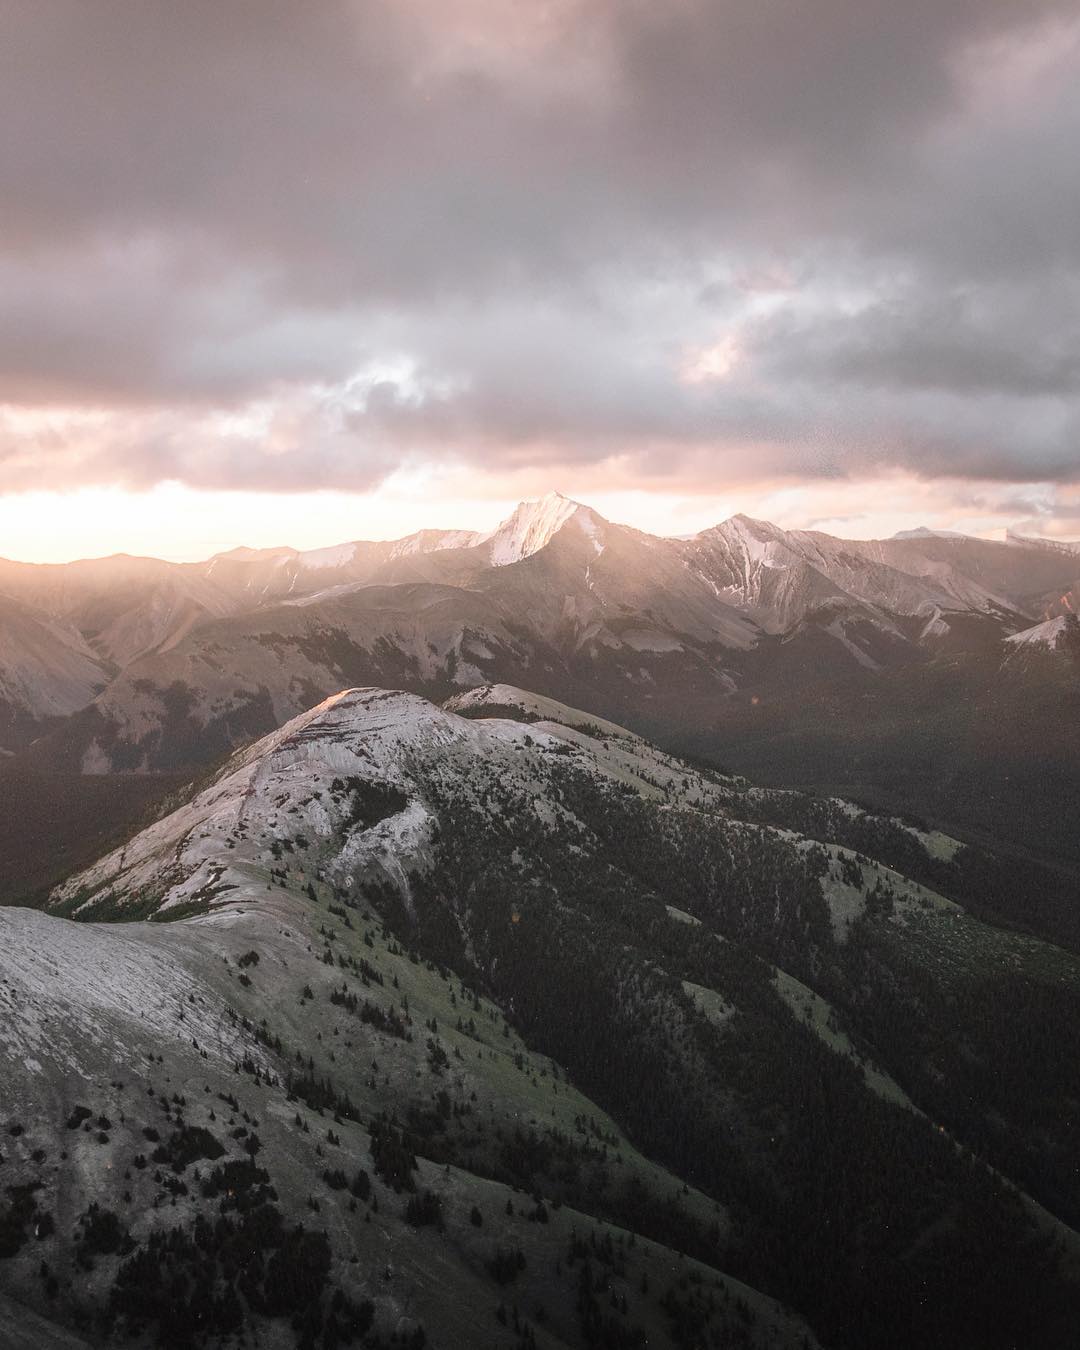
[(456, 1011)]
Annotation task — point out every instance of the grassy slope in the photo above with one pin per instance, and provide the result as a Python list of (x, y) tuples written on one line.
[(436, 1278)]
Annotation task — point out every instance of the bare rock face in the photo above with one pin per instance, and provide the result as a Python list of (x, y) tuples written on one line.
[(47, 669)]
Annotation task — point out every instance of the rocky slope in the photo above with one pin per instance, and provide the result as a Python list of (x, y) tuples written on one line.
[(46, 671), (653, 1036)]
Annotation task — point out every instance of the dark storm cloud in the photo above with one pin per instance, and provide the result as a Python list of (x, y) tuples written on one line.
[(506, 234), (964, 342)]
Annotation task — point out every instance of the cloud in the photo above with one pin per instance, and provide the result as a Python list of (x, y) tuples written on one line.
[(280, 245)]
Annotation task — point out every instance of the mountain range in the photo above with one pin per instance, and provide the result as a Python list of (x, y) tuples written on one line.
[(905, 672), (160, 656), (564, 937)]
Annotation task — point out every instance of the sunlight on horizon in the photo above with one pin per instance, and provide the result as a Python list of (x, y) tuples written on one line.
[(182, 524)]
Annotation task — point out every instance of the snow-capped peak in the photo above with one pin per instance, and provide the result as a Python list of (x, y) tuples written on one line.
[(1046, 634), (744, 529), (533, 526)]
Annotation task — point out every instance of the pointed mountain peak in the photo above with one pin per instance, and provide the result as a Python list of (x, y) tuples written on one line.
[(534, 524), (744, 527), (753, 523), (1046, 634)]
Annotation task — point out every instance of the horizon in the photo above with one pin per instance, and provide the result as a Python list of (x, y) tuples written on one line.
[(490, 526)]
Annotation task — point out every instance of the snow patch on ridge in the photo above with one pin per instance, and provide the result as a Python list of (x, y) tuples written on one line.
[(1044, 634), (533, 526)]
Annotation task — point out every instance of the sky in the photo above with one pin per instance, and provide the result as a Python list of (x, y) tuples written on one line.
[(293, 273)]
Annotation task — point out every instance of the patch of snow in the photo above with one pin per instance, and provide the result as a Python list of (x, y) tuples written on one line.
[(533, 526), (836, 629), (1044, 634), (936, 626)]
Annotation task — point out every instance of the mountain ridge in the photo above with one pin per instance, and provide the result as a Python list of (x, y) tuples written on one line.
[(633, 989), (534, 506), (738, 639)]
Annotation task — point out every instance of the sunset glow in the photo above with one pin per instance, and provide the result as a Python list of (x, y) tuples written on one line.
[(459, 258), (185, 525)]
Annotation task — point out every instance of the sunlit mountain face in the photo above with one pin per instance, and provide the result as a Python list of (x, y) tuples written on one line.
[(539, 675)]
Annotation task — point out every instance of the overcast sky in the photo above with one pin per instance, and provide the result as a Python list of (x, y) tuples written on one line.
[(289, 272)]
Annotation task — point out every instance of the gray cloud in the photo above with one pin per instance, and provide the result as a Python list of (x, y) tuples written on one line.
[(430, 231)]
